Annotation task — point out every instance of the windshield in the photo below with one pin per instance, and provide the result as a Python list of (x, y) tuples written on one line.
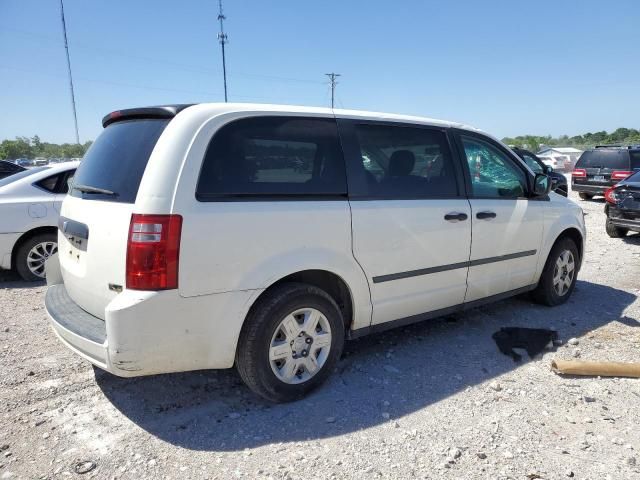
[(19, 175), (112, 168), (532, 163)]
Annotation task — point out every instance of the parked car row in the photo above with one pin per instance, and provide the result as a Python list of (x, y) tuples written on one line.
[(612, 171), (40, 161)]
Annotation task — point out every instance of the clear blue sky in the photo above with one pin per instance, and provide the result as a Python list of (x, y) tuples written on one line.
[(508, 67)]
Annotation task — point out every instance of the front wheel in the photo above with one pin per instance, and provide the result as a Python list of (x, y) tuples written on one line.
[(559, 276), (290, 342), (615, 232), (585, 196)]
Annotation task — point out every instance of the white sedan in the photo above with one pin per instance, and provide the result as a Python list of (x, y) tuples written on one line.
[(29, 209)]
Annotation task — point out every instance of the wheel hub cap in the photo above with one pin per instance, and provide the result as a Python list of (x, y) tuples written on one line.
[(300, 346), (564, 273)]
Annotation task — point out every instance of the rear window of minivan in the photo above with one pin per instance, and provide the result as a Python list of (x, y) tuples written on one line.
[(263, 157), (116, 161), (615, 159)]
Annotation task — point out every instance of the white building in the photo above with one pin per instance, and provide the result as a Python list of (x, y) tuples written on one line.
[(560, 158)]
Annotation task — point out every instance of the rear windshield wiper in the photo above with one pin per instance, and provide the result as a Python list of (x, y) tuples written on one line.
[(89, 189)]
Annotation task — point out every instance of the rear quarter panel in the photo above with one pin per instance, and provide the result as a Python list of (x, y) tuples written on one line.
[(244, 245)]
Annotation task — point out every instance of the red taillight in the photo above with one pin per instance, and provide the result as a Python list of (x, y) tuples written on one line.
[(610, 195), (579, 172), (153, 250), (620, 174)]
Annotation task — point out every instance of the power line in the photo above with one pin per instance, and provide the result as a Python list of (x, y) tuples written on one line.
[(178, 65), (332, 79), (223, 39), (66, 48), (128, 85)]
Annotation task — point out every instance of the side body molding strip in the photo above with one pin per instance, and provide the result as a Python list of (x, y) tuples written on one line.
[(452, 266)]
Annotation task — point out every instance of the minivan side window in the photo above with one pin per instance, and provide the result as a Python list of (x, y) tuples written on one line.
[(493, 172), (406, 162), (273, 156)]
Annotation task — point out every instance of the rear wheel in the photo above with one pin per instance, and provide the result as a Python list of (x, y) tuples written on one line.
[(32, 253), (585, 196), (290, 342), (615, 232), (559, 276)]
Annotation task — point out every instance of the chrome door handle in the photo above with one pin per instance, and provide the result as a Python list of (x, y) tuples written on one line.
[(455, 217), (485, 215)]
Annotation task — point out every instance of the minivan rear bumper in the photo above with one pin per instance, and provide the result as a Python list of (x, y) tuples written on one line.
[(80, 331), (146, 333)]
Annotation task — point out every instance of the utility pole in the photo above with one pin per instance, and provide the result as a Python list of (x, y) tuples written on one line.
[(222, 37), (73, 97), (332, 79)]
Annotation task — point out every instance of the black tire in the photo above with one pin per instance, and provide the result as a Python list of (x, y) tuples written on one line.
[(252, 353), (585, 196), (545, 292), (23, 252), (615, 232)]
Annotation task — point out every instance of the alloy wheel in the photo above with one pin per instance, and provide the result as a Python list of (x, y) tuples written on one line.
[(38, 255)]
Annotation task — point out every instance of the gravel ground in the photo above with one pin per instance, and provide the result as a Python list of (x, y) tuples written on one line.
[(435, 400)]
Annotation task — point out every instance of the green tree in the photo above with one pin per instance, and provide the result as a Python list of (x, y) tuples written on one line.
[(18, 148)]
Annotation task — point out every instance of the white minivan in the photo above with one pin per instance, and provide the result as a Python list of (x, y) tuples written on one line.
[(212, 235)]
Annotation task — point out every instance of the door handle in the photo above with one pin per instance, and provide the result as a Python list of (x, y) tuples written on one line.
[(455, 217), (485, 215)]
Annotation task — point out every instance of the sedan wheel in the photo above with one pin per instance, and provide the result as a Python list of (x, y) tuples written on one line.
[(38, 255)]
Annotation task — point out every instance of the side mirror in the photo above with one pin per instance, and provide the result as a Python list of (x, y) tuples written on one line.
[(548, 169), (541, 184)]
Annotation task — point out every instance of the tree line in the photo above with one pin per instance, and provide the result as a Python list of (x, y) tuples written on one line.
[(25, 147), (621, 136)]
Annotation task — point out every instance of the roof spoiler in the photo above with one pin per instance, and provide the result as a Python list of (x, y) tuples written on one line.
[(162, 111)]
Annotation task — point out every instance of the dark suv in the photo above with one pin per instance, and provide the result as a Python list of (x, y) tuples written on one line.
[(558, 180), (602, 167)]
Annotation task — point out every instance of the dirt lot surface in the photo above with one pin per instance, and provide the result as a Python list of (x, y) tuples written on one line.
[(435, 400)]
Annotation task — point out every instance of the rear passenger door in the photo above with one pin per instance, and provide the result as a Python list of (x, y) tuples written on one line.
[(410, 218), (507, 223)]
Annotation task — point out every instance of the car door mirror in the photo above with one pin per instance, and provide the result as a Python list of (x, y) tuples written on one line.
[(541, 184), (548, 169)]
